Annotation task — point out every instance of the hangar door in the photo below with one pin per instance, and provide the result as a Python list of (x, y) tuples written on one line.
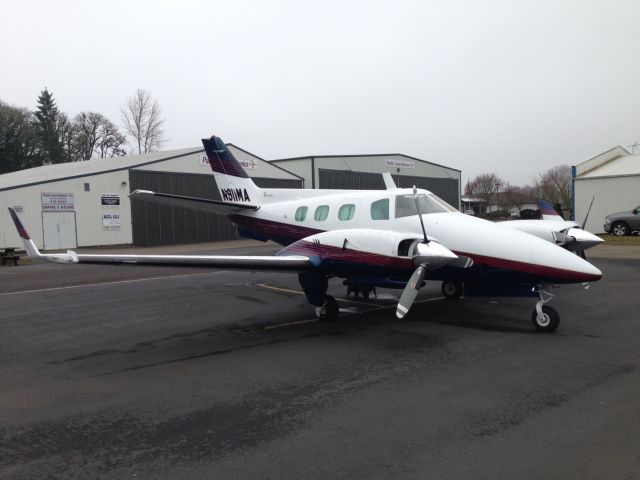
[(59, 229), (446, 188), (162, 225)]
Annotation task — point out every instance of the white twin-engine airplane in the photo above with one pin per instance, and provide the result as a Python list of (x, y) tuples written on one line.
[(395, 238), (554, 228)]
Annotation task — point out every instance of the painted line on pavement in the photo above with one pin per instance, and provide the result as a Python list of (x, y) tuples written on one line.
[(117, 282)]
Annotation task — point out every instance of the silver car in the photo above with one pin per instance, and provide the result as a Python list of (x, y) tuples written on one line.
[(623, 223)]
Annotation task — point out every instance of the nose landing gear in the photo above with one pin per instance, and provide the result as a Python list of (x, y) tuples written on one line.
[(544, 317)]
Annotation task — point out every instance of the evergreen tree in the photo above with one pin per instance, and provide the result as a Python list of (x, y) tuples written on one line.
[(47, 118)]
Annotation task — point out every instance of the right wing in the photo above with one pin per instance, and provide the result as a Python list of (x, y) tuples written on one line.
[(293, 263), (193, 203)]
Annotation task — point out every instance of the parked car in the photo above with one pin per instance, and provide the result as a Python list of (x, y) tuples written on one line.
[(623, 223)]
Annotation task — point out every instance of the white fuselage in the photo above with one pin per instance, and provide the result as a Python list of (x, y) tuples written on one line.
[(460, 233)]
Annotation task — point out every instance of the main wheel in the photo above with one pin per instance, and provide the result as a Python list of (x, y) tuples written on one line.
[(620, 229), (549, 321), (452, 290), (331, 310)]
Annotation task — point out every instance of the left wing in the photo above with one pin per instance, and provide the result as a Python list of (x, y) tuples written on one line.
[(295, 263)]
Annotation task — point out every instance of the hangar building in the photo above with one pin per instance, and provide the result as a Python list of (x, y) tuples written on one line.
[(612, 179), (363, 172), (82, 204)]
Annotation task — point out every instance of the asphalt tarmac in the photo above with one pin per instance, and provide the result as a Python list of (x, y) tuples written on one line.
[(174, 373)]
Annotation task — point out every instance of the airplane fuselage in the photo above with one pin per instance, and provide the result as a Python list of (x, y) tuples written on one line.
[(317, 224)]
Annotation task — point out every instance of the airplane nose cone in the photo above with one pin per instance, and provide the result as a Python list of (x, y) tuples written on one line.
[(571, 268), (583, 239)]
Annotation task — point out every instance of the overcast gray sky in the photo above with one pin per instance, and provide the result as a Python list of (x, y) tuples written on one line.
[(511, 87)]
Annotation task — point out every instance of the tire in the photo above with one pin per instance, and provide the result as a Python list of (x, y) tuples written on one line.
[(620, 229), (550, 321), (452, 290), (331, 311)]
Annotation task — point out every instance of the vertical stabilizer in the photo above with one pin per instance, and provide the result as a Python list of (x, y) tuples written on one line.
[(547, 212), (232, 181)]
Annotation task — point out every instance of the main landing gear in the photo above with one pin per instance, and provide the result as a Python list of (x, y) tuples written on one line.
[(452, 290), (315, 289), (545, 318), (329, 311)]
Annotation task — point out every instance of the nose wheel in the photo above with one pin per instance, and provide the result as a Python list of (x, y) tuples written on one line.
[(544, 317), (548, 321)]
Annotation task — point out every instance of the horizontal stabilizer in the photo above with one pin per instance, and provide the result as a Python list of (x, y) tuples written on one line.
[(192, 203)]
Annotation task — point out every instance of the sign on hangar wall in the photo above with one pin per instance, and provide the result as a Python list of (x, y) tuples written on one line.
[(57, 202)]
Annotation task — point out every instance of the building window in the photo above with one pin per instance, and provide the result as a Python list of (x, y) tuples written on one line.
[(87, 187), (346, 212), (380, 209), (301, 214), (321, 213)]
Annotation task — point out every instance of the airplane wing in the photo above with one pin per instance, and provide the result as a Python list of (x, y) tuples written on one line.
[(193, 203), (292, 263)]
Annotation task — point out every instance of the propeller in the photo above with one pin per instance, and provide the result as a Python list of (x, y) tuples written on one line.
[(584, 223), (415, 199), (427, 255)]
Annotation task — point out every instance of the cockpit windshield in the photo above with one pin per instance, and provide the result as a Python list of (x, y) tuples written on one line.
[(406, 205)]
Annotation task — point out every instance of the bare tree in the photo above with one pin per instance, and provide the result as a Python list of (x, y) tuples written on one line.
[(513, 197), (555, 185), (111, 142), (484, 187), (143, 121), (88, 126)]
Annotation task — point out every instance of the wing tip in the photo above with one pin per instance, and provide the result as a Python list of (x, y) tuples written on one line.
[(19, 226)]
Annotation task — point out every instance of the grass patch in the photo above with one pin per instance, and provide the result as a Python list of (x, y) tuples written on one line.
[(628, 240)]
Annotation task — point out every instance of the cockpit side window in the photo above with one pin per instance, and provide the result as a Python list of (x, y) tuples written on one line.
[(380, 209), (406, 205)]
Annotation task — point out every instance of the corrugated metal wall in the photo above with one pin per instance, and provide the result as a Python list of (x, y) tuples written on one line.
[(161, 225), (445, 188), (610, 194)]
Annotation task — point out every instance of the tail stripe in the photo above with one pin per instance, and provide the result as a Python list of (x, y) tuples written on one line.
[(21, 230), (221, 159)]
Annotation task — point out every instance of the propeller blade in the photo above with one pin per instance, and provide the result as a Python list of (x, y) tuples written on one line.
[(410, 291), (415, 199), (588, 212), (462, 262)]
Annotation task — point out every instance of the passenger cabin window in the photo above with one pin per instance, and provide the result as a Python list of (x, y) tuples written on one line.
[(321, 213), (346, 212), (406, 205), (380, 209), (301, 214)]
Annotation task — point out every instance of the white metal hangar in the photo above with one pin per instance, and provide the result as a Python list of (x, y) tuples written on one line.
[(80, 204), (612, 180), (363, 172)]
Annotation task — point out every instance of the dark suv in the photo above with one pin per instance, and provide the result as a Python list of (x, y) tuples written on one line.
[(623, 223)]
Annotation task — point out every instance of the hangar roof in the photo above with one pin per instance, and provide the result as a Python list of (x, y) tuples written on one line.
[(614, 162), (58, 171), (66, 171), (391, 155)]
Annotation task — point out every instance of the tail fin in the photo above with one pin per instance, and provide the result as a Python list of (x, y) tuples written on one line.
[(31, 248), (233, 183), (547, 211)]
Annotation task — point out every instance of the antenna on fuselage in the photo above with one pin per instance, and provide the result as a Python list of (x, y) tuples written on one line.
[(415, 198)]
